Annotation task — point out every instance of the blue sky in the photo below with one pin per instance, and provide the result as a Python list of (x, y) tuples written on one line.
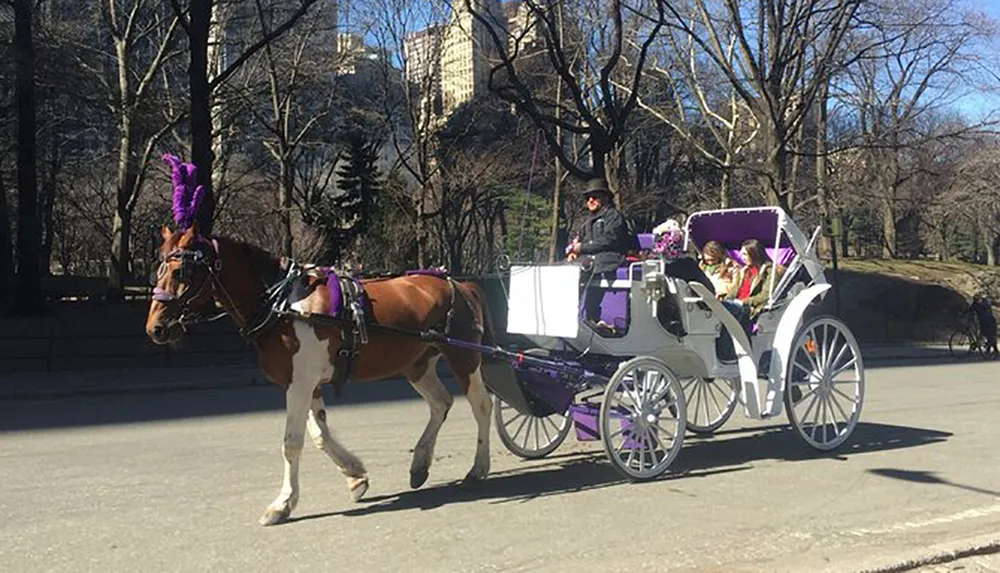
[(981, 104)]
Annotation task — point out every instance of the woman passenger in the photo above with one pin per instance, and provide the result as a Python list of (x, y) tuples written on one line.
[(719, 267)]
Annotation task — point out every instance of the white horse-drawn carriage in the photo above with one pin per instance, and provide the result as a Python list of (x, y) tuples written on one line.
[(639, 388)]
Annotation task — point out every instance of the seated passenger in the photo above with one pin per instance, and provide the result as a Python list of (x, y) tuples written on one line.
[(606, 239), (754, 280), (720, 268)]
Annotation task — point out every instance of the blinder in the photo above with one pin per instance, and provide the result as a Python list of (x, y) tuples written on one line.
[(190, 260)]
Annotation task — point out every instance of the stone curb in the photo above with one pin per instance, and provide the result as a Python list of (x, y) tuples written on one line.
[(937, 554)]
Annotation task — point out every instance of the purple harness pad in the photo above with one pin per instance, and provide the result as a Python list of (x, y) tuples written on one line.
[(337, 298), (336, 293)]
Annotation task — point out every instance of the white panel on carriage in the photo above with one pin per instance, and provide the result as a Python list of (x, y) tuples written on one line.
[(544, 300)]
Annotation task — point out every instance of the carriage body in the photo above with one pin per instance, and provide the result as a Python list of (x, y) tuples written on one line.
[(545, 309)]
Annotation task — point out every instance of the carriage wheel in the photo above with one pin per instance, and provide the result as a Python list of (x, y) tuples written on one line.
[(643, 418), (529, 437), (710, 402), (825, 383)]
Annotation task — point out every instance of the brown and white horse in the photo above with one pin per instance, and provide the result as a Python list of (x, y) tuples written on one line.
[(196, 274)]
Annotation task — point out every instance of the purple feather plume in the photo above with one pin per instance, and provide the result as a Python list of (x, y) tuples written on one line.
[(187, 193)]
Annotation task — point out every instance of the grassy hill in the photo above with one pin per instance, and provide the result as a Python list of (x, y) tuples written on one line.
[(916, 301)]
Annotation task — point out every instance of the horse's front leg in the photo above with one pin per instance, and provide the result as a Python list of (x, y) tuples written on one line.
[(297, 399), (349, 464)]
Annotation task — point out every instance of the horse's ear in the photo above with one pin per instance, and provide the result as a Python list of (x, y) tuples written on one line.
[(193, 231), (166, 234)]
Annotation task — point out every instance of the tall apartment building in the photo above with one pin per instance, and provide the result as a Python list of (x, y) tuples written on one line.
[(467, 52), (422, 51)]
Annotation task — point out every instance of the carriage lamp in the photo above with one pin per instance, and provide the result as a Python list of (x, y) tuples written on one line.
[(654, 283)]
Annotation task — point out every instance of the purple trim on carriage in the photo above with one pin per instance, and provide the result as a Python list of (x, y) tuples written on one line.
[(621, 273), (614, 307), (782, 255), (546, 385), (586, 422), (646, 241)]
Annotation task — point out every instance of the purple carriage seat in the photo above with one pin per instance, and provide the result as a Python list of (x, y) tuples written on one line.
[(782, 255)]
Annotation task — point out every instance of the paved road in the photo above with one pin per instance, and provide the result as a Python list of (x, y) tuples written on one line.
[(176, 482)]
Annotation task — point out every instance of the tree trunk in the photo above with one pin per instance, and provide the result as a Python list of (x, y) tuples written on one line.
[(215, 63), (121, 230), (990, 242), (28, 297), (201, 107), (822, 201), (888, 227), (421, 228), (49, 188), (6, 249), (287, 184), (725, 187)]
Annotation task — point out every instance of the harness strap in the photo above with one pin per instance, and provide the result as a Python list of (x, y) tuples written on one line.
[(353, 332)]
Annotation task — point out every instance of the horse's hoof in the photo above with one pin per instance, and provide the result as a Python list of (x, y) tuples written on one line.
[(274, 516), (471, 480), (418, 479), (358, 487)]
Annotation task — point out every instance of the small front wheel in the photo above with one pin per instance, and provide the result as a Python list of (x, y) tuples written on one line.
[(643, 418), (529, 437)]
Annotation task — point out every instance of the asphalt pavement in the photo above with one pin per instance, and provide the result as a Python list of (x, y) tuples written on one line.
[(175, 481)]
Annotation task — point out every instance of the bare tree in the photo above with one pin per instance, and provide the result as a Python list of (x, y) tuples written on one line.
[(299, 100), (923, 56), (608, 44), (414, 31), (697, 102), (785, 50), (197, 22), (141, 41)]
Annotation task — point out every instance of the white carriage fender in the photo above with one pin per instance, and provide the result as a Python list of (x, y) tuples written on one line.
[(784, 337), (744, 357)]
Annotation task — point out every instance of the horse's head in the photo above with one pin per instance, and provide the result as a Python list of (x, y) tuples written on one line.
[(185, 284)]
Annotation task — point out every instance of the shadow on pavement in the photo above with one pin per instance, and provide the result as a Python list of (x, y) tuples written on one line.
[(586, 472), (779, 442), (919, 476), (141, 407), (576, 472)]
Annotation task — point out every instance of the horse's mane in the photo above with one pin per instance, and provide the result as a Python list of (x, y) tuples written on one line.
[(262, 262)]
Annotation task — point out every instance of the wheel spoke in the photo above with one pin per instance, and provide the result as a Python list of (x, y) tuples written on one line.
[(521, 427), (840, 409), (850, 363)]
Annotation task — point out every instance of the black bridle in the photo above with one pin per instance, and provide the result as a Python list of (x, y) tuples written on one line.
[(190, 260), (273, 297)]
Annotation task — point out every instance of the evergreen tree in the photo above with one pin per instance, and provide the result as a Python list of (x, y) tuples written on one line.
[(344, 217)]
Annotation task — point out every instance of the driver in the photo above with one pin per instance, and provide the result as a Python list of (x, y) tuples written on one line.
[(606, 240)]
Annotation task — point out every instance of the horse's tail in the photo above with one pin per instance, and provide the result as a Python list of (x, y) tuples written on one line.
[(489, 334)]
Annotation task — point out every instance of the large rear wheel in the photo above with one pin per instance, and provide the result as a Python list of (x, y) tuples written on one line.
[(824, 383)]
